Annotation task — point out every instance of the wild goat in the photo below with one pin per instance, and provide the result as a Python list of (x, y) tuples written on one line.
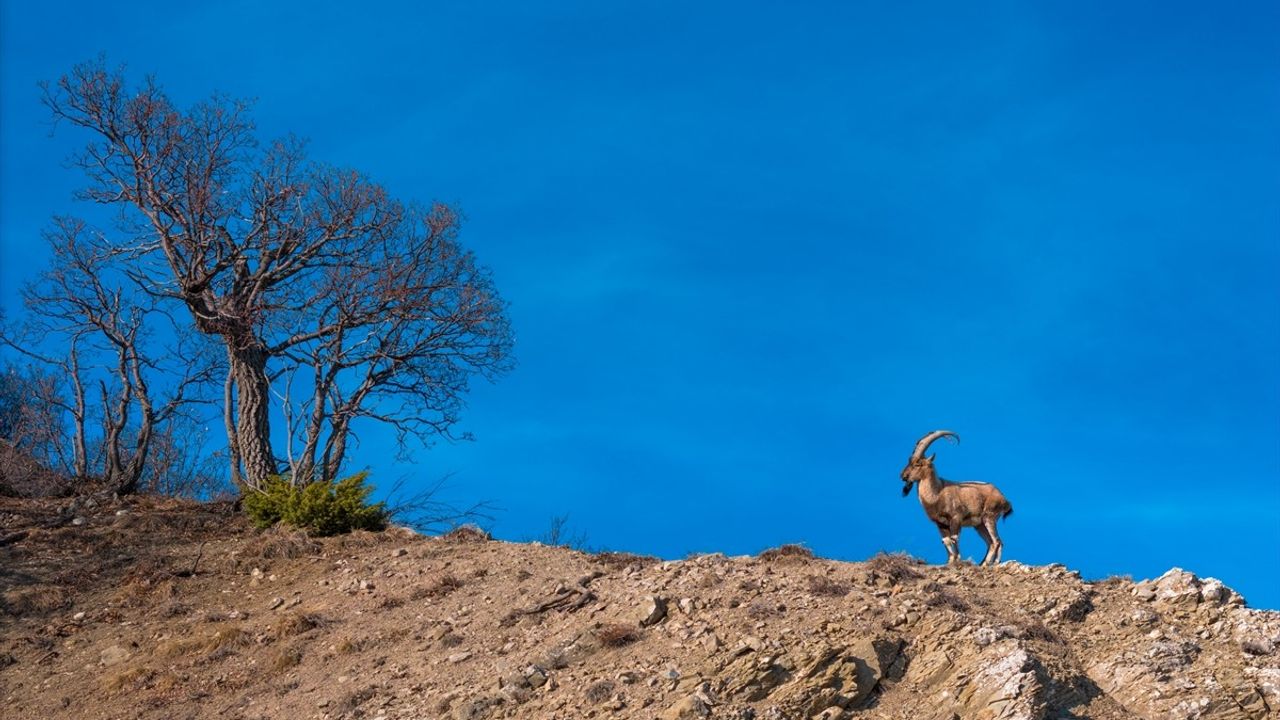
[(953, 505)]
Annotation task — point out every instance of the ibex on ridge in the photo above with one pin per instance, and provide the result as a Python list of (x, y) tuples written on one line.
[(953, 505)]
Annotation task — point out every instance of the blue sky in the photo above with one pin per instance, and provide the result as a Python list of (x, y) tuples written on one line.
[(754, 252)]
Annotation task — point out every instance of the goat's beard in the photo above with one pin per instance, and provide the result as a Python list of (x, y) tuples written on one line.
[(906, 489)]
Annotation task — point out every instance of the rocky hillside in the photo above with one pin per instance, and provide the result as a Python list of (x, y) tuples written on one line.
[(147, 609)]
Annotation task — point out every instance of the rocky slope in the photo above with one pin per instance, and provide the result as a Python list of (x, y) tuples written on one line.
[(146, 609)]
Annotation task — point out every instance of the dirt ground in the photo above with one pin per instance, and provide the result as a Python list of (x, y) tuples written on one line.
[(142, 608)]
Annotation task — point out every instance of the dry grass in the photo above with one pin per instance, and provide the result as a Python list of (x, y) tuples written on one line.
[(286, 657), (438, 588), (296, 623), (760, 608), (391, 602), (132, 679), (1035, 630), (896, 567), (352, 701), (616, 635), (787, 553), (824, 586), (599, 691), (216, 644), (350, 645), (466, 534), (943, 598), (281, 542), (34, 601), (174, 609), (147, 572), (357, 539), (619, 560), (1115, 581)]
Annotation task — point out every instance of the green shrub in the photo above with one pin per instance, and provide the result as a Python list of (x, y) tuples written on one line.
[(320, 508)]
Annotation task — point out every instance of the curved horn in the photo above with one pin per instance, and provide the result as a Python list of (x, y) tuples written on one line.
[(927, 440)]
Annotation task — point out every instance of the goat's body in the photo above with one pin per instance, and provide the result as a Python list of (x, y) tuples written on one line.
[(965, 504), (955, 505)]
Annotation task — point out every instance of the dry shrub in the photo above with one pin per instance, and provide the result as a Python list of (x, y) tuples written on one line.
[(599, 691), (391, 602), (134, 678), (296, 623), (616, 635), (281, 542), (349, 645), (1036, 630), (401, 533), (761, 608), (943, 598), (174, 609), (467, 534), (357, 539), (618, 560), (168, 682), (787, 553), (217, 644), (147, 572), (34, 601), (451, 640), (353, 700), (1115, 581), (438, 588), (825, 586), (897, 567), (286, 657)]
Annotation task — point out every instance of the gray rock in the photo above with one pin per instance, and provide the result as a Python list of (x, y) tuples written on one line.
[(652, 611), (113, 655), (1258, 646)]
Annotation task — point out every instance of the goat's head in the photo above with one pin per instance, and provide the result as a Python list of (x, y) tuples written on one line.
[(920, 467), (917, 470)]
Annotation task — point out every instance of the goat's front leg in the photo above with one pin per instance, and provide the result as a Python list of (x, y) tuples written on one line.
[(951, 541)]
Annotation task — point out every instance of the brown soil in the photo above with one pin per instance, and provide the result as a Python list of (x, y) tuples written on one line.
[(158, 609)]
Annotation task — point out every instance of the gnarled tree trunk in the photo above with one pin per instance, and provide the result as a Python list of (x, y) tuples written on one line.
[(252, 439)]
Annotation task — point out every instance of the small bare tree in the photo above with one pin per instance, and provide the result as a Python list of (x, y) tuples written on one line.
[(83, 298), (295, 267), (34, 442)]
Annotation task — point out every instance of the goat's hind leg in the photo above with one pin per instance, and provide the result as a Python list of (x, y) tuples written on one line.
[(997, 545), (991, 546)]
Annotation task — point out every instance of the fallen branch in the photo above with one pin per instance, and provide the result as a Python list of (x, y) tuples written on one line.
[(194, 565), (567, 597)]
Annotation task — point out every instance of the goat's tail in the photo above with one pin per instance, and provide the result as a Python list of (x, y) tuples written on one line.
[(1008, 512)]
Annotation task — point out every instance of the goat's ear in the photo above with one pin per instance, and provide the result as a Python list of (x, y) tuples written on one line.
[(930, 458)]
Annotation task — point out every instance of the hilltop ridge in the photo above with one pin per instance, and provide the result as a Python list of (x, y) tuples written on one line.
[(102, 620)]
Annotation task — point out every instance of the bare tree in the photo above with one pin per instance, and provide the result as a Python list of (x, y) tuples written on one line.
[(33, 433), (83, 298), (295, 267), (179, 467)]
